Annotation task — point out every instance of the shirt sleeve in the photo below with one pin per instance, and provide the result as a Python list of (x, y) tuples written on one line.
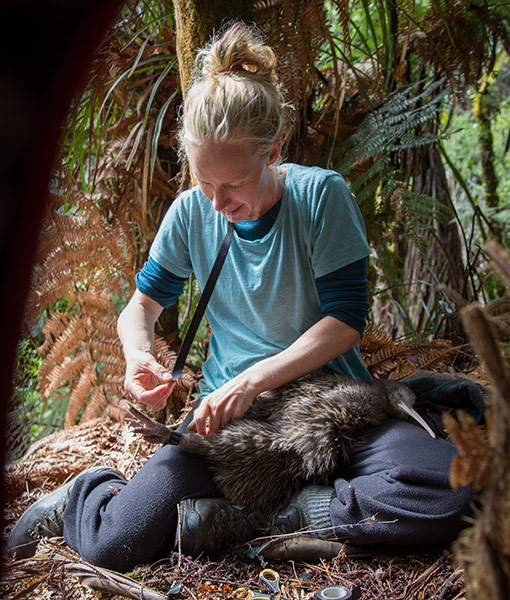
[(343, 294), (170, 248), (339, 237), (158, 283)]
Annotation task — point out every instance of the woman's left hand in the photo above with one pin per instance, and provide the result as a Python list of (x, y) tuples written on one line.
[(226, 404)]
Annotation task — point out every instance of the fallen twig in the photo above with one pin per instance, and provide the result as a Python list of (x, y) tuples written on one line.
[(104, 580)]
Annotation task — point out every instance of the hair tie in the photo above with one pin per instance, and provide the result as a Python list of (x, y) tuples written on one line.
[(232, 68)]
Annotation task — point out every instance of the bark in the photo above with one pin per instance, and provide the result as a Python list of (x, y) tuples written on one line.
[(196, 21), (443, 246)]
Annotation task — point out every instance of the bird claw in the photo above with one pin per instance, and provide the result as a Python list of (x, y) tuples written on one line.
[(152, 431)]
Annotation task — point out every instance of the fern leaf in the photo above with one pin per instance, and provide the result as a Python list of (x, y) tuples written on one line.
[(163, 353), (95, 407), (79, 395), (472, 463), (64, 372), (373, 339)]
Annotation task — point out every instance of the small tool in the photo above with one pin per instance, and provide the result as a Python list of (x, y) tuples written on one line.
[(272, 579)]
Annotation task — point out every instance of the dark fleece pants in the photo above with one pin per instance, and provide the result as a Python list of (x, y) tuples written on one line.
[(394, 491)]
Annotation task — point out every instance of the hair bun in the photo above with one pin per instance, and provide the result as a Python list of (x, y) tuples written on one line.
[(240, 50)]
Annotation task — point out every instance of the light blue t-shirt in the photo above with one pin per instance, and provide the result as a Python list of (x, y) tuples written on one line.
[(266, 296)]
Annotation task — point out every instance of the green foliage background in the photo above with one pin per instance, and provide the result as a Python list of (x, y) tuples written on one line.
[(462, 148)]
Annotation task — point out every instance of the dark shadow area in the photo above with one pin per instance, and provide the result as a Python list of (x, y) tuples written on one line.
[(46, 48)]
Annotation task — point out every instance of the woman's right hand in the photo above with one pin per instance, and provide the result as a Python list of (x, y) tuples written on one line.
[(147, 381)]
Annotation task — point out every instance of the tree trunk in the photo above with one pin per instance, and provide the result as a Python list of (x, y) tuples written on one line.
[(443, 245), (490, 179), (196, 21)]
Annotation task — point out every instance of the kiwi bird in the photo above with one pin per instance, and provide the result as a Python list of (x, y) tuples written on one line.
[(299, 432)]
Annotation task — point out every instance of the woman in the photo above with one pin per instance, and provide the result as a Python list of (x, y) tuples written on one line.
[(291, 297)]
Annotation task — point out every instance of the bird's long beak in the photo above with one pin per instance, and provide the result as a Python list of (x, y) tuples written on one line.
[(412, 413)]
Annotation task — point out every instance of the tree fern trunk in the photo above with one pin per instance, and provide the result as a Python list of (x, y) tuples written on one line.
[(197, 20), (443, 245)]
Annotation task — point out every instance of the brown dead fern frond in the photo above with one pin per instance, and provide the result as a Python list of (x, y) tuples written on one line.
[(395, 360), (434, 353), (101, 396), (62, 373), (59, 456), (386, 353), (79, 395), (455, 50), (471, 464), (296, 33), (182, 394), (403, 358), (83, 263), (55, 326), (373, 339), (81, 347)]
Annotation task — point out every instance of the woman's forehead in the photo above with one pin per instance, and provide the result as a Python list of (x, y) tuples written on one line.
[(223, 160)]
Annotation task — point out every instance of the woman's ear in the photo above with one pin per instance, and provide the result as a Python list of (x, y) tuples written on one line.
[(274, 153)]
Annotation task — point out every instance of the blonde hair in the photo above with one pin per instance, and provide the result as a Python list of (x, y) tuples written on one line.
[(235, 94)]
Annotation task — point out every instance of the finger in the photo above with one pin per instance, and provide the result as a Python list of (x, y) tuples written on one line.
[(200, 418), (163, 374), (134, 391), (152, 366), (215, 422), (157, 397), (162, 390)]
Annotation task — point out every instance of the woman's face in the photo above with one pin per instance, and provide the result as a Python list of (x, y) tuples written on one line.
[(238, 181)]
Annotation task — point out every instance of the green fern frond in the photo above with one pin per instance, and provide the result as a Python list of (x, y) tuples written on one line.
[(394, 126)]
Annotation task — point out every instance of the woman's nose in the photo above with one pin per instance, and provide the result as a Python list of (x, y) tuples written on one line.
[(219, 200)]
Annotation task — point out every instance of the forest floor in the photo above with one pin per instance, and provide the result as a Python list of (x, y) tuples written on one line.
[(55, 573), (58, 572)]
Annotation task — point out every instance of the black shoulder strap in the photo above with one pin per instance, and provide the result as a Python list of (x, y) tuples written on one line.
[(202, 303)]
